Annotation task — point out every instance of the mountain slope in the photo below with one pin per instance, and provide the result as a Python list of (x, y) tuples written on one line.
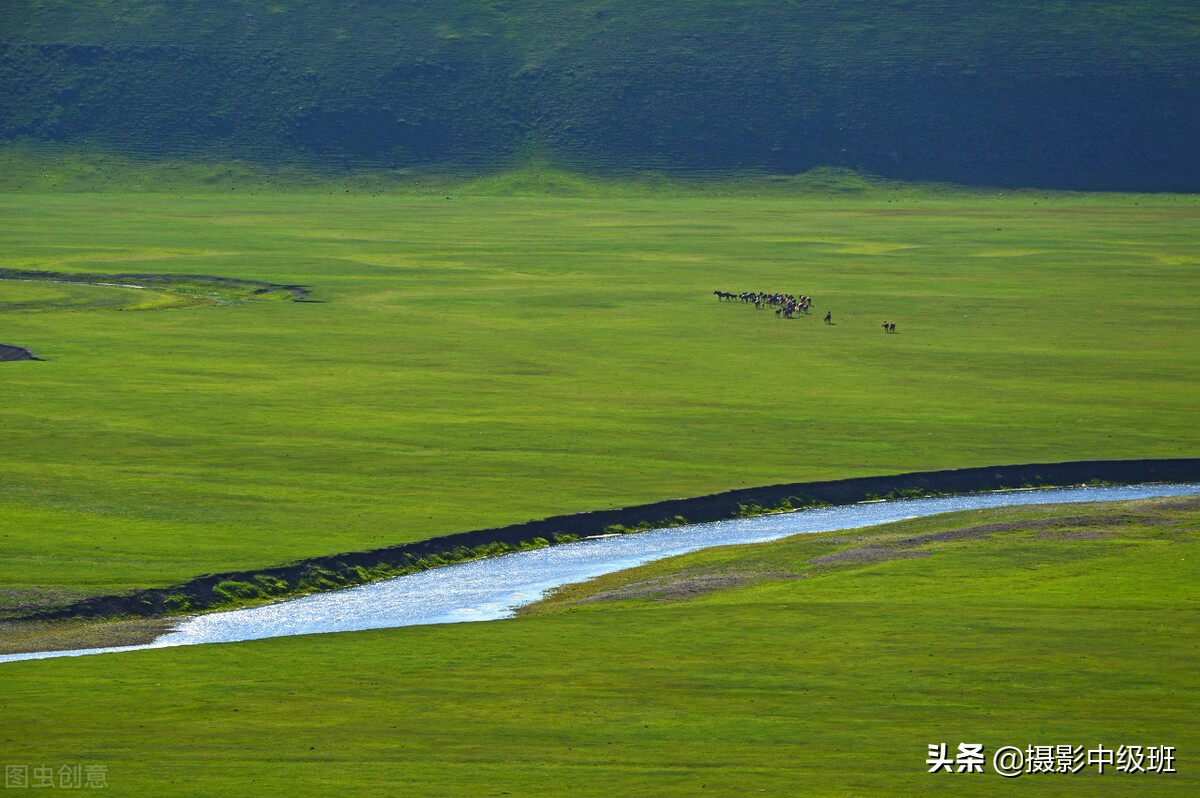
[(1094, 94)]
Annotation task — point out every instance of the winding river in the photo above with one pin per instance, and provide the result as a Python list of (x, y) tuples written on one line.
[(493, 588)]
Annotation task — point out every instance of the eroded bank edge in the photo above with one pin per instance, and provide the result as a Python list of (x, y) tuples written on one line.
[(331, 572)]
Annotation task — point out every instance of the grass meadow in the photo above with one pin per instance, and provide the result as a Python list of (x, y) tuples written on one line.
[(492, 353), (474, 360), (746, 670)]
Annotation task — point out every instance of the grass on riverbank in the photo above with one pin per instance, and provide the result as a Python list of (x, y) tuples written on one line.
[(486, 360), (1064, 625)]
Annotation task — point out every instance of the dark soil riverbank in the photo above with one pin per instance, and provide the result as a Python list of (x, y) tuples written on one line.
[(342, 570)]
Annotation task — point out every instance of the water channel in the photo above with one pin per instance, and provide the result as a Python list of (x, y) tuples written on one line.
[(493, 588)]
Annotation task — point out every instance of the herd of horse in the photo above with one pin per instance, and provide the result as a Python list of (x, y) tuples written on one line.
[(786, 305)]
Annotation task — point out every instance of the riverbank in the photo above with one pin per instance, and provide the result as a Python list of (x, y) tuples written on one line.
[(72, 634), (216, 592), (235, 588), (807, 677)]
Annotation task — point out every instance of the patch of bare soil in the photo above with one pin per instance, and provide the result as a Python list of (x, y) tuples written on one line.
[(1182, 503), (1064, 528), (1066, 522), (675, 587), (19, 637)]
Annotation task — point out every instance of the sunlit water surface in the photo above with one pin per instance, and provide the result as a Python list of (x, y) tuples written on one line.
[(485, 590)]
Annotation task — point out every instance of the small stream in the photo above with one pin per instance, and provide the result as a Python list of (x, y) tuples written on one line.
[(493, 588)]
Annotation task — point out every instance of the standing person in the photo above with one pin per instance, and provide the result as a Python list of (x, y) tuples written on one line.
[(829, 317)]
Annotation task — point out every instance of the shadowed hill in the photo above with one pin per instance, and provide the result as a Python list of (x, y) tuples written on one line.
[(1096, 94)]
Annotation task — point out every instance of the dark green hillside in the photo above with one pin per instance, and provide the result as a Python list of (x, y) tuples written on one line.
[(1084, 94)]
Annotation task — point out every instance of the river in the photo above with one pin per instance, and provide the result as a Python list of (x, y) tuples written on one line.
[(490, 589)]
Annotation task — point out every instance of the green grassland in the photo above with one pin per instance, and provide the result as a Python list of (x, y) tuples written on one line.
[(476, 360), (47, 292), (735, 671), (512, 217), (43, 297)]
